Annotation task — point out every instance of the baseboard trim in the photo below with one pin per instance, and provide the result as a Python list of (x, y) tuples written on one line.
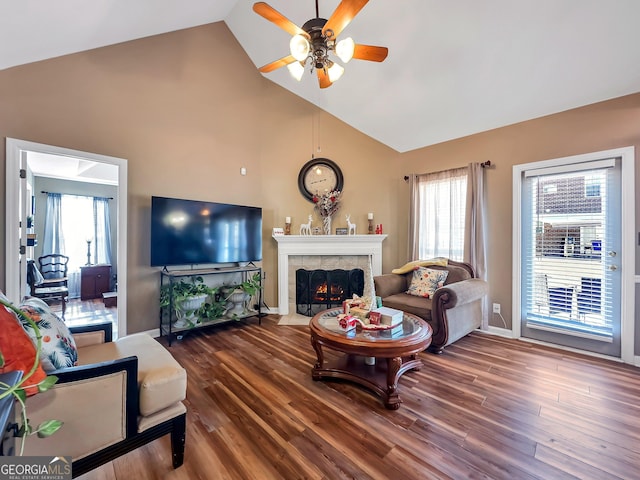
[(503, 332), (574, 350), (498, 331)]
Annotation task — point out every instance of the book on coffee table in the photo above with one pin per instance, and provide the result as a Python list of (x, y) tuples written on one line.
[(386, 316)]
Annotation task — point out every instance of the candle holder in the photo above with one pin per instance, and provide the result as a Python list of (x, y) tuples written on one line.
[(88, 252), (370, 226), (287, 228)]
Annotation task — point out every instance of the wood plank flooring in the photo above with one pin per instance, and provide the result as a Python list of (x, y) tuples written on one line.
[(488, 408), (85, 312)]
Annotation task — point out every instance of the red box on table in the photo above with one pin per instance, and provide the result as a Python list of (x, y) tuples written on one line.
[(347, 322)]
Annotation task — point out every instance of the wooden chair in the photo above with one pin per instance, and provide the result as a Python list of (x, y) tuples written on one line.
[(52, 283)]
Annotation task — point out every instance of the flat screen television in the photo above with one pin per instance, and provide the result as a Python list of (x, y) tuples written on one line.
[(188, 232)]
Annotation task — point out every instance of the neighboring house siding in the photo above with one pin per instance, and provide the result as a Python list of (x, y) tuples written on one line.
[(568, 196)]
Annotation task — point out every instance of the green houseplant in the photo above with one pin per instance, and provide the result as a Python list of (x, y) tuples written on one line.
[(192, 301), (48, 427), (251, 285), (239, 293)]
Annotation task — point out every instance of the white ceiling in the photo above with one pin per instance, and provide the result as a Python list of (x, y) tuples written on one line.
[(454, 67), (71, 168)]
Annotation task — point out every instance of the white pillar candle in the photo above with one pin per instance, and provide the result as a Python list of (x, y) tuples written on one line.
[(370, 216), (287, 219)]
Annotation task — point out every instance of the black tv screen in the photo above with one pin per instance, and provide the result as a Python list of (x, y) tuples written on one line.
[(187, 232)]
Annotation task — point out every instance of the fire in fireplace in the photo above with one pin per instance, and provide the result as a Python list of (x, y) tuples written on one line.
[(317, 290)]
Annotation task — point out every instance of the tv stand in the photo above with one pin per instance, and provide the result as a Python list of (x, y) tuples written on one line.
[(170, 324)]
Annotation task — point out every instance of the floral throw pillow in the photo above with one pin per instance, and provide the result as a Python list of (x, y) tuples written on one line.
[(58, 346), (425, 281), (17, 350)]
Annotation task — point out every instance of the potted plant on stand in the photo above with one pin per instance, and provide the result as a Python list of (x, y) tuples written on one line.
[(239, 294), (187, 299)]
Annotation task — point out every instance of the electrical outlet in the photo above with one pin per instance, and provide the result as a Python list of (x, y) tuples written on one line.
[(496, 308)]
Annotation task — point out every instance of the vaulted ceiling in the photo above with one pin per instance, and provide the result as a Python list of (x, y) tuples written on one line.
[(454, 67)]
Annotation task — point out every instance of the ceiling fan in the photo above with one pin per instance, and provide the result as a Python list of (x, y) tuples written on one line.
[(316, 39)]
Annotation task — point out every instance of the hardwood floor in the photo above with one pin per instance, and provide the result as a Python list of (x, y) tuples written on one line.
[(488, 408), (83, 312)]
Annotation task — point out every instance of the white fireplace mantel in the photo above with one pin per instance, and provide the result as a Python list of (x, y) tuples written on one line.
[(289, 245)]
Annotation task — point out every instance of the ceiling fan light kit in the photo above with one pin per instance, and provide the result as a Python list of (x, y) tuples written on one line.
[(334, 71), (296, 69), (345, 49), (299, 47), (316, 40)]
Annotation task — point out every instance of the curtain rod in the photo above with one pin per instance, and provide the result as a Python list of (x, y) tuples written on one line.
[(77, 195), (486, 164)]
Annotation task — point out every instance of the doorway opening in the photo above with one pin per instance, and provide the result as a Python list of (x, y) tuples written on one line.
[(34, 171)]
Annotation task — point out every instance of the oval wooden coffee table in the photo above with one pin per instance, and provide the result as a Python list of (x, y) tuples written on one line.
[(395, 351)]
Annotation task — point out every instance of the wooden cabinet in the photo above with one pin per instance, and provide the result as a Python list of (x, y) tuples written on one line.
[(94, 281)]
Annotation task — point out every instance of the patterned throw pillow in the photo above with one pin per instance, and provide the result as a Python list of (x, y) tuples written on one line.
[(17, 350), (58, 346), (425, 281)]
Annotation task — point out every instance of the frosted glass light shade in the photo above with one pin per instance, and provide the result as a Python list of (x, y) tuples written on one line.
[(296, 70), (299, 47), (335, 72), (345, 49)]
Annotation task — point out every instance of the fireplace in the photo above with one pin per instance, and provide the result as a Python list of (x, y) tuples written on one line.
[(325, 252), (318, 290)]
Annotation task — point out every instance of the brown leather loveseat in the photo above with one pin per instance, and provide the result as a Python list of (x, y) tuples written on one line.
[(455, 308)]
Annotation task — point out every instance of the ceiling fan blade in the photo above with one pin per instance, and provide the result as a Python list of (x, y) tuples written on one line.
[(343, 15), (270, 67), (370, 52), (323, 78), (271, 14)]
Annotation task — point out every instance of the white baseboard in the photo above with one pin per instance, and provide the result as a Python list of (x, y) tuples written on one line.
[(498, 331), (503, 332)]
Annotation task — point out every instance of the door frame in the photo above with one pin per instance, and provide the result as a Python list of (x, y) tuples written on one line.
[(627, 260), (15, 148)]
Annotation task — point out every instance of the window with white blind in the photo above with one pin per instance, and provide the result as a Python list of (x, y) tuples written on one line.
[(574, 241), (567, 229), (440, 219)]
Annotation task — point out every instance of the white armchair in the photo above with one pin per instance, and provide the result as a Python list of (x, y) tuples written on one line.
[(122, 395)]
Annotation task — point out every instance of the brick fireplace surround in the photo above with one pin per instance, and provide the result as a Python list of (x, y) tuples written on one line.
[(324, 252)]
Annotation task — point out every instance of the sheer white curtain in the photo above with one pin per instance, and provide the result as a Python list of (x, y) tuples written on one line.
[(102, 231), (71, 221), (447, 219), (438, 207), (77, 227)]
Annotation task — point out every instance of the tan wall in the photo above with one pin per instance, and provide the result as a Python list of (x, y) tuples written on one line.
[(188, 109), (597, 127)]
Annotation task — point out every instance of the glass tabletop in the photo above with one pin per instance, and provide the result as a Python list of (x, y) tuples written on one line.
[(410, 326)]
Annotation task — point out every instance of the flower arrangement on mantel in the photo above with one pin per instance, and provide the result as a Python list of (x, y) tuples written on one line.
[(326, 205)]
